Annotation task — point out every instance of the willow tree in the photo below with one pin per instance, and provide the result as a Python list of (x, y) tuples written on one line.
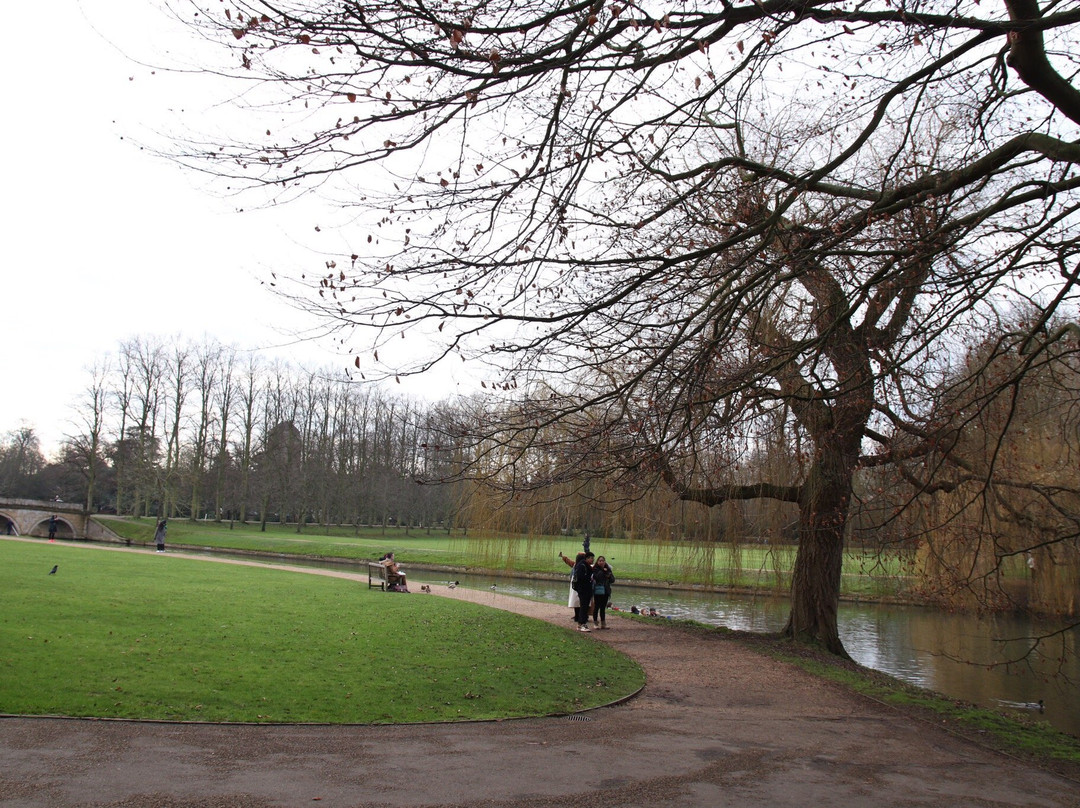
[(682, 222)]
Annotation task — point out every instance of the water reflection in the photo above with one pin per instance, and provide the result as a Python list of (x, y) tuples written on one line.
[(959, 655)]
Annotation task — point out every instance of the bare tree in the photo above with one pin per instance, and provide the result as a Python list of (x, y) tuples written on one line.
[(206, 373), (249, 390), (279, 459), (688, 223), (123, 381), (178, 366), (142, 364), (85, 448), (225, 386), (20, 460)]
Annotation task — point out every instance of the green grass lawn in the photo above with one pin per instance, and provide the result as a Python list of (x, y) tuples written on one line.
[(756, 566), (133, 635)]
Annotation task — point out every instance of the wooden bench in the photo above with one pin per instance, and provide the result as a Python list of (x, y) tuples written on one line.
[(376, 575)]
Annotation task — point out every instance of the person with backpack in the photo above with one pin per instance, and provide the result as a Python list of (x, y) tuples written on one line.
[(581, 588), (603, 578)]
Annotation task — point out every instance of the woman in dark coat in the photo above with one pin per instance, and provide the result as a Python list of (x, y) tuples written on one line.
[(580, 587), (603, 578), (582, 582)]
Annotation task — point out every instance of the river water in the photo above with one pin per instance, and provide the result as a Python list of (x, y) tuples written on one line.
[(959, 655)]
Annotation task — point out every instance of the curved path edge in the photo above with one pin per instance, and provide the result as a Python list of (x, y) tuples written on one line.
[(716, 725)]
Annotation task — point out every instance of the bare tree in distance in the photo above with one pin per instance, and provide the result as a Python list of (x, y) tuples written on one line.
[(20, 460), (85, 448), (141, 365), (669, 228), (225, 395), (178, 370), (249, 392)]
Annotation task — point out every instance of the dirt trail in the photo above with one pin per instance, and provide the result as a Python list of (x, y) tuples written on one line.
[(716, 725)]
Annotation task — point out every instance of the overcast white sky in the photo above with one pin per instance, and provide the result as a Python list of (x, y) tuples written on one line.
[(102, 241)]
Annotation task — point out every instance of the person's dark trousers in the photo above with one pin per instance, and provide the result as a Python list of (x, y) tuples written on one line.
[(581, 613), (599, 611)]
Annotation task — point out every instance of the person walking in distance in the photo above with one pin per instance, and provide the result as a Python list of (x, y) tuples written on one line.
[(159, 535)]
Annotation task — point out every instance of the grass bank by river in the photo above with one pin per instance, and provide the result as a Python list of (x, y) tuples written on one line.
[(134, 635), (866, 574), (135, 603)]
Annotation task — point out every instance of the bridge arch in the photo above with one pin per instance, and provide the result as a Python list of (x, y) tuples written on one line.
[(30, 517), (64, 528)]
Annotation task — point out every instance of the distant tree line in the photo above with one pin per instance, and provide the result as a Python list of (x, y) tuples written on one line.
[(205, 431)]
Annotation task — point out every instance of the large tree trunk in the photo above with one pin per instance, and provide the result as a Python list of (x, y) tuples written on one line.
[(815, 583)]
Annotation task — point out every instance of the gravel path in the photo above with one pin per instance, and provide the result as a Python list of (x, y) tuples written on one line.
[(716, 725)]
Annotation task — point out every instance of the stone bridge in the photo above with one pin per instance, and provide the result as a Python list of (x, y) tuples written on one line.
[(32, 517)]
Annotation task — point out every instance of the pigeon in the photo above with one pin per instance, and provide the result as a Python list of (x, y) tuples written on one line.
[(53, 570)]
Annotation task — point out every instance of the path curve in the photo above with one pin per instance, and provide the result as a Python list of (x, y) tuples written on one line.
[(716, 725)]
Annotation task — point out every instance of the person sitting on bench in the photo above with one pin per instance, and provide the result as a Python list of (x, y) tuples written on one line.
[(394, 575)]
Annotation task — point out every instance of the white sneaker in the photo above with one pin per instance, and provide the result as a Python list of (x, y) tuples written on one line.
[(584, 628)]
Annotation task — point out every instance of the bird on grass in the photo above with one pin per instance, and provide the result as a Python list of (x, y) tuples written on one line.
[(53, 570)]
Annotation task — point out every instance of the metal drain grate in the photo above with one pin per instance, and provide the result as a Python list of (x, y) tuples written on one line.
[(577, 717)]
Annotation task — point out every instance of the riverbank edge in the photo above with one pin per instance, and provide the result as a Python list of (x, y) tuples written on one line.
[(1033, 742), (451, 570)]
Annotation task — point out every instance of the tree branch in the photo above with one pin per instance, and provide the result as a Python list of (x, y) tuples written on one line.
[(1027, 56)]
